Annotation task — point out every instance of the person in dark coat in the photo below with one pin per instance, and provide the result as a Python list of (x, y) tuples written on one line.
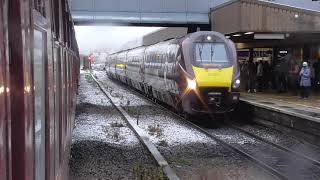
[(305, 80), (266, 74), (252, 76), (260, 74), (316, 67), (283, 79), (277, 74), (244, 75)]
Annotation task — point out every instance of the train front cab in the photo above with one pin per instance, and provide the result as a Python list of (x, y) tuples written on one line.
[(211, 74)]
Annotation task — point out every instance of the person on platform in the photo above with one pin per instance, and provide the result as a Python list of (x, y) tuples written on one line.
[(316, 67), (252, 76), (260, 76), (266, 74), (295, 77), (283, 78), (305, 80), (244, 75)]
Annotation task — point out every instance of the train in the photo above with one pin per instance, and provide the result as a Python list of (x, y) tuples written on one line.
[(194, 74), (39, 70)]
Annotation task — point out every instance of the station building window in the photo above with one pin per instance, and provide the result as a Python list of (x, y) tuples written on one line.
[(259, 54)]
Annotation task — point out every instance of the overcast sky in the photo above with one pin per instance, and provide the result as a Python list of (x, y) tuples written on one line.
[(107, 37)]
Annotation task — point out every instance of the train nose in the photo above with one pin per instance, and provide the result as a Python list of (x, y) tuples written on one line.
[(213, 77)]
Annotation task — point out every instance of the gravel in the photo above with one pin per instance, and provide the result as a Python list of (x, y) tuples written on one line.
[(103, 146), (190, 153)]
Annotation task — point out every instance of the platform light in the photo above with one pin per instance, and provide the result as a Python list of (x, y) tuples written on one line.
[(248, 33), (296, 16), (8, 90), (192, 84), (236, 35), (209, 38)]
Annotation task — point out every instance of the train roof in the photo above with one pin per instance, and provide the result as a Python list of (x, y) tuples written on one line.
[(169, 41), (179, 40)]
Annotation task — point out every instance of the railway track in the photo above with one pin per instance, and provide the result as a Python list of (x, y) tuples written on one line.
[(286, 162), (274, 169), (286, 149), (162, 162), (314, 164)]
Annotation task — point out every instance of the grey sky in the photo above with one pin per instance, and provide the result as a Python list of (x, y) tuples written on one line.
[(107, 37)]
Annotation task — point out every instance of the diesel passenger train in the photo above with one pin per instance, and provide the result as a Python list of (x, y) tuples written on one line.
[(197, 73)]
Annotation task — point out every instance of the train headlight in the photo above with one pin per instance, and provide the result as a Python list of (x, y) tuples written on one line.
[(236, 84), (192, 84)]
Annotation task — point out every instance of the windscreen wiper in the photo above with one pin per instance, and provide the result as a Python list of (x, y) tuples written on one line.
[(212, 52), (200, 53)]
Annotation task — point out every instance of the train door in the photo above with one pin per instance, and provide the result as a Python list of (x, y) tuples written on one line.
[(39, 75), (4, 106)]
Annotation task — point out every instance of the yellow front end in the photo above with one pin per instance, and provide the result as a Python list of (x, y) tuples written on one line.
[(121, 66), (213, 77)]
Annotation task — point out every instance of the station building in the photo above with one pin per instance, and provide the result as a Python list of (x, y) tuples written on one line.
[(269, 31)]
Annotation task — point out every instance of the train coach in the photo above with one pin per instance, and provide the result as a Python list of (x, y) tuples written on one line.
[(39, 69), (194, 74)]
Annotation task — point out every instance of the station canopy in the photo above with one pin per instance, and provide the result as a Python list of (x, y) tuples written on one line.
[(257, 23)]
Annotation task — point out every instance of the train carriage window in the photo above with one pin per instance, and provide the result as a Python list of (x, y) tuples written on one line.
[(39, 102), (56, 18), (180, 59), (39, 5)]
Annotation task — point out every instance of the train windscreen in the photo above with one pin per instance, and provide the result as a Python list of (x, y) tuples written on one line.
[(211, 54)]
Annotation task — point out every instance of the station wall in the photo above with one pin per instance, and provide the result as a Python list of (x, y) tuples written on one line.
[(306, 4)]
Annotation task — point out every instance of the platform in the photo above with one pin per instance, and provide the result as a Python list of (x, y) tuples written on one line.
[(284, 112), (286, 103)]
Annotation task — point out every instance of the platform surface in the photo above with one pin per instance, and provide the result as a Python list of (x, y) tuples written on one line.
[(286, 103)]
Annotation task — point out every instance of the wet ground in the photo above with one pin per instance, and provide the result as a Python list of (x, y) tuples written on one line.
[(103, 146), (312, 104)]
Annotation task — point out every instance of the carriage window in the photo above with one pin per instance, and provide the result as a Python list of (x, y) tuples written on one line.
[(39, 103), (56, 18), (39, 5), (211, 53)]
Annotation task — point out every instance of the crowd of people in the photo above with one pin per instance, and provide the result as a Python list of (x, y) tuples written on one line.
[(284, 76)]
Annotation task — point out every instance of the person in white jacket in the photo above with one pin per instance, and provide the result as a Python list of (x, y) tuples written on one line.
[(305, 80)]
